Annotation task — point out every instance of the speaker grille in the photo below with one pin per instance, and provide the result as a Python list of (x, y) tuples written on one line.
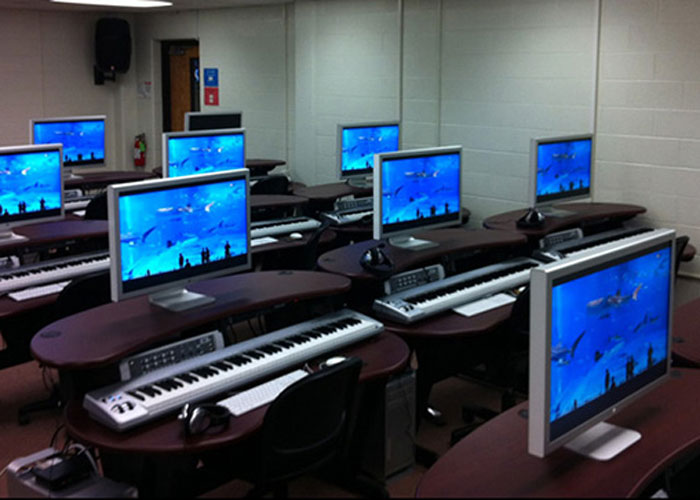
[(112, 45)]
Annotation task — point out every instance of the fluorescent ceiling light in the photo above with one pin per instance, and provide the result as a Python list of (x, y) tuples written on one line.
[(118, 3)]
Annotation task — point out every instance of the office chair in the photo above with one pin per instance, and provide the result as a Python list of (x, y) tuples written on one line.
[(272, 184), (82, 293), (97, 207), (303, 429), (681, 243)]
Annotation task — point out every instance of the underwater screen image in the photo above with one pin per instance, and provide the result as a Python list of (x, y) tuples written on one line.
[(203, 154), (30, 185), (609, 334), (420, 190), (359, 145), (563, 169), (182, 231), (83, 141)]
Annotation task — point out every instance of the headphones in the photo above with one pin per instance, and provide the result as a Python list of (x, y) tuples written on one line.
[(198, 419), (377, 262), (533, 219)]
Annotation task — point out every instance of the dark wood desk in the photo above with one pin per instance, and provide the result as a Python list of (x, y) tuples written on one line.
[(98, 180), (47, 234), (330, 192), (261, 166), (381, 356), (493, 461), (686, 334), (258, 201), (346, 260), (584, 213), (108, 333)]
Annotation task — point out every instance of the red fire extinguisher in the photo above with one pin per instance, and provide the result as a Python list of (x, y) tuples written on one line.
[(140, 150)]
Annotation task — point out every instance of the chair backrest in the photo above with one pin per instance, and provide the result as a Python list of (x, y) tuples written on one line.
[(272, 184), (305, 426), (681, 243), (84, 292), (97, 207)]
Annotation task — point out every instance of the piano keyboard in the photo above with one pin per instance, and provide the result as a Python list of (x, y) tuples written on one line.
[(51, 271), (572, 248), (127, 404), (427, 300), (342, 217), (281, 226)]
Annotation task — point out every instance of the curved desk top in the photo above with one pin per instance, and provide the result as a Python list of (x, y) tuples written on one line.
[(382, 356), (276, 200), (47, 233), (686, 337), (108, 177), (493, 460), (330, 192), (584, 212), (108, 333), (346, 260)]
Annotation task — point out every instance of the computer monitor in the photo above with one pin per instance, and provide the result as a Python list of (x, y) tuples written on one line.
[(600, 326), (189, 153), (31, 187), (358, 143), (414, 190), (166, 233), (210, 120), (83, 139), (560, 170)]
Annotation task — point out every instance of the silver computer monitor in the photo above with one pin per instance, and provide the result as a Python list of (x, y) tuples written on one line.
[(203, 151), (166, 233), (357, 143), (416, 190), (210, 120), (83, 139), (600, 326), (561, 169), (31, 187)]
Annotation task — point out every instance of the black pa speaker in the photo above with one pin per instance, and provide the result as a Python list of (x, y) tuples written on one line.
[(112, 45)]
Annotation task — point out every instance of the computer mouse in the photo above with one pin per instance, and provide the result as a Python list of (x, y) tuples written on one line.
[(332, 361), (295, 236)]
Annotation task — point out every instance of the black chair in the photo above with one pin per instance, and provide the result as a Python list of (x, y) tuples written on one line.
[(304, 428), (681, 243), (79, 295), (97, 207), (272, 184)]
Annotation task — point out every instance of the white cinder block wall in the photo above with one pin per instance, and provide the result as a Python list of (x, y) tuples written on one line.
[(649, 111), (346, 70), (46, 71)]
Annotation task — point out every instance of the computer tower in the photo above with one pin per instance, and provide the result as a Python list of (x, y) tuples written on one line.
[(391, 439)]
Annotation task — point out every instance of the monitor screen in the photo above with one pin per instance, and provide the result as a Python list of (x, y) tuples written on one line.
[(83, 138), (189, 153), (607, 330), (561, 169), (169, 232), (358, 143), (417, 189), (210, 120), (31, 184)]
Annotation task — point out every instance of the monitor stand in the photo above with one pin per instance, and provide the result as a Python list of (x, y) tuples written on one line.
[(411, 243), (360, 182), (603, 441), (179, 299), (550, 211), (7, 237)]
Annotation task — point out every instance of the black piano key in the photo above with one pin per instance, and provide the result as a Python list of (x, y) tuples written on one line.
[(223, 366), (163, 384), (136, 395), (254, 354)]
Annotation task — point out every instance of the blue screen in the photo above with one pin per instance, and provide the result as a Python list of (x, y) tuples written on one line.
[(563, 169), (609, 335), (83, 141), (30, 185), (420, 190), (205, 153), (360, 144), (172, 233)]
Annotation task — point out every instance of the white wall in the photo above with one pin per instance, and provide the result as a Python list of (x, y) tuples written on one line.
[(649, 111), (346, 69), (46, 71)]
